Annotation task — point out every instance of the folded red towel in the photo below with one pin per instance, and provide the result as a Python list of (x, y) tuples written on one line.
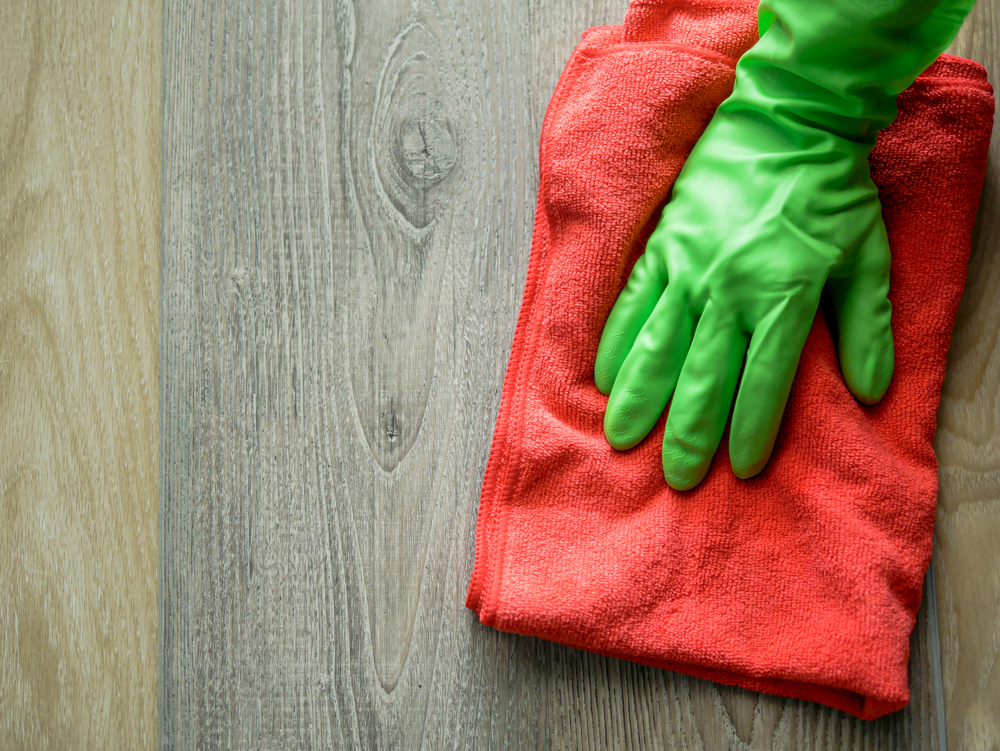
[(804, 581)]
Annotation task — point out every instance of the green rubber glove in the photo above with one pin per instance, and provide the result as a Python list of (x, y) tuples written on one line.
[(774, 205)]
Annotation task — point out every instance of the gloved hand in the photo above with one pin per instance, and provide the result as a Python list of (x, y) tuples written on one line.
[(774, 204)]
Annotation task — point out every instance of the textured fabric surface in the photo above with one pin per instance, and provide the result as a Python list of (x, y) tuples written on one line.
[(804, 581)]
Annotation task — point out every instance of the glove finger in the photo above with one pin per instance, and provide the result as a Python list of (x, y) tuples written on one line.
[(649, 373), (644, 288), (772, 359), (864, 316), (702, 400)]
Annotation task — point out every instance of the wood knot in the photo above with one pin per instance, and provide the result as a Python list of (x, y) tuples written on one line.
[(416, 146), (392, 425), (427, 150)]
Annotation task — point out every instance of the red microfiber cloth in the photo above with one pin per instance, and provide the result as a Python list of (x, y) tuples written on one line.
[(804, 581)]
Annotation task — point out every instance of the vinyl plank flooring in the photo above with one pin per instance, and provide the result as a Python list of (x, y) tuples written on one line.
[(968, 448), (79, 373), (349, 192)]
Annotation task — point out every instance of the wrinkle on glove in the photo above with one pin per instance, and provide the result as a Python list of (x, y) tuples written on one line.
[(804, 581)]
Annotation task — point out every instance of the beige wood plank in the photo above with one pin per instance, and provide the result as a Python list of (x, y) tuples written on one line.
[(968, 447), (347, 217), (79, 374)]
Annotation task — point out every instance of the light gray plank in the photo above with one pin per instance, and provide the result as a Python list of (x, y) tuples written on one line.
[(348, 196), (968, 447)]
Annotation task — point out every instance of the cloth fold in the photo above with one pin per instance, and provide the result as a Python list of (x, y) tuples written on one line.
[(804, 581)]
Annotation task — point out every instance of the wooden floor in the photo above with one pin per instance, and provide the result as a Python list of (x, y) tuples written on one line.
[(346, 232), (79, 373), (347, 196), (968, 447)]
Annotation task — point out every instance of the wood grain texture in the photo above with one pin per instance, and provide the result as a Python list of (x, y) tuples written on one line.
[(349, 193), (968, 447), (79, 373)]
